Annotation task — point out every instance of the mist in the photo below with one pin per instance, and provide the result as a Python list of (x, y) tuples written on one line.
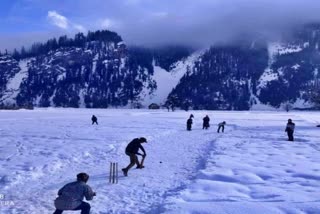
[(210, 22), (167, 22)]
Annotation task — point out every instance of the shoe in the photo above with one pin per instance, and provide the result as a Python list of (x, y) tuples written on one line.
[(125, 172)]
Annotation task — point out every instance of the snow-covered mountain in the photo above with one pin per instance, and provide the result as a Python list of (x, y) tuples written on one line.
[(98, 74), (254, 75), (99, 71)]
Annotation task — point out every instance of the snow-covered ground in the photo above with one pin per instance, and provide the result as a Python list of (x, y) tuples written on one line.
[(250, 168)]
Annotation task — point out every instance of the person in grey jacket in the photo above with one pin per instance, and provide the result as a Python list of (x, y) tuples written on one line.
[(221, 126), (70, 197)]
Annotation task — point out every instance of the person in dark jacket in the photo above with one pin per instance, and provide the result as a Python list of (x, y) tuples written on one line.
[(206, 121), (290, 129), (221, 126), (132, 150), (70, 197), (189, 122), (94, 120)]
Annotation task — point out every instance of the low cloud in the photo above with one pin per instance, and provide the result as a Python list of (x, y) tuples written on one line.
[(109, 24), (63, 22), (79, 28), (155, 22), (206, 22), (58, 20)]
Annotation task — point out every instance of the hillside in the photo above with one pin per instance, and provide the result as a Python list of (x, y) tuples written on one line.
[(99, 70)]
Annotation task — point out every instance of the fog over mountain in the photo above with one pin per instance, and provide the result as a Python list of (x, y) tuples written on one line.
[(151, 22), (208, 22)]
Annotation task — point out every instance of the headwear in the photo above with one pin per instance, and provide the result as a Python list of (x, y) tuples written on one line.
[(82, 177), (142, 139), (290, 120)]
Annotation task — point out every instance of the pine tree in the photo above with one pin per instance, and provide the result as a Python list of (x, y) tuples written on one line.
[(173, 101), (16, 54), (315, 97), (23, 52)]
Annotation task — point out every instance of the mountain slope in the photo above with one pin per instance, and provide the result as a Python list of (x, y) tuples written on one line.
[(99, 71)]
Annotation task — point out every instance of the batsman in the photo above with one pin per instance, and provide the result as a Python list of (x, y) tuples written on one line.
[(132, 150)]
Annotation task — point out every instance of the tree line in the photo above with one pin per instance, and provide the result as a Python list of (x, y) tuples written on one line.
[(79, 40)]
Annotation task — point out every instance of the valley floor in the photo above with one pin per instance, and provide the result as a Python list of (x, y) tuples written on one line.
[(251, 168)]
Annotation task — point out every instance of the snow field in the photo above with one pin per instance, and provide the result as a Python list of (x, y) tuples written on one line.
[(250, 168), (255, 170)]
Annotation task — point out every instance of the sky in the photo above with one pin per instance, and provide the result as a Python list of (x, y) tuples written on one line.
[(152, 22)]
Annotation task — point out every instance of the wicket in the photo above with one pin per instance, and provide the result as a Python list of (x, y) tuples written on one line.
[(113, 176)]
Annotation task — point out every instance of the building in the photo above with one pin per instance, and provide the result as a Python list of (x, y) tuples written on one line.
[(154, 106)]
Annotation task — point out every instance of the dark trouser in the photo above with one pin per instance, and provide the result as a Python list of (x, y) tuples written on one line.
[(189, 127), (205, 126), (220, 128), (84, 207), (94, 122), (290, 135), (133, 160)]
